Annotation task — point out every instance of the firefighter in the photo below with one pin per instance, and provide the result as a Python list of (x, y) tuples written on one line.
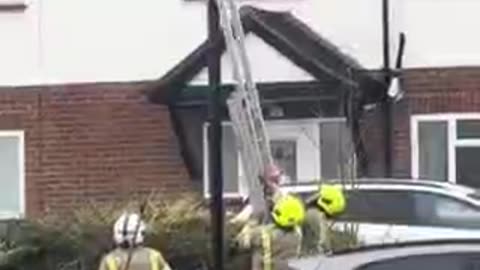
[(128, 235), (271, 179), (330, 202), (274, 243)]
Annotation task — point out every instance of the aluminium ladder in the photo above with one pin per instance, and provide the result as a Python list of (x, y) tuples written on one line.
[(244, 107)]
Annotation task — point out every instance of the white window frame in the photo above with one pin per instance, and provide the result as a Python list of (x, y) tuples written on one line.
[(451, 120), (287, 135), (20, 134)]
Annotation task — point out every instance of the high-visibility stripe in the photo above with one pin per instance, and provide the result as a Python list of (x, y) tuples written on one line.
[(298, 231), (267, 249), (244, 237), (111, 263), (155, 260)]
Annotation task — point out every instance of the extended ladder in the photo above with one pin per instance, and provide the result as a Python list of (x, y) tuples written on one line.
[(244, 106)]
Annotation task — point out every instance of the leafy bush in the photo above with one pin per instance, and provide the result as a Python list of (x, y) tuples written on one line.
[(179, 228)]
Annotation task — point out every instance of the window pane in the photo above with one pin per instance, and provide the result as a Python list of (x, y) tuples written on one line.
[(439, 210), (379, 206), (468, 169), (468, 129), (229, 160), (285, 155), (433, 155), (10, 178), (336, 150)]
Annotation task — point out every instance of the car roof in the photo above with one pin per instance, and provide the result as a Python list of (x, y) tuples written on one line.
[(387, 182), (353, 258), (407, 244)]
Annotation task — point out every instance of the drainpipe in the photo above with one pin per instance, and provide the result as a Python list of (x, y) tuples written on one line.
[(387, 104), (215, 139)]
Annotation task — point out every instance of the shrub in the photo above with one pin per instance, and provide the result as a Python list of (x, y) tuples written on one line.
[(180, 228)]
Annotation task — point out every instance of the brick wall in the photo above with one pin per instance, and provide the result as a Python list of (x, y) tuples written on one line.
[(373, 136), (435, 90), (92, 141)]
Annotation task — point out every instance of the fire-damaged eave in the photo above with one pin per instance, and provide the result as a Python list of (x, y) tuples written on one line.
[(338, 78), (288, 35)]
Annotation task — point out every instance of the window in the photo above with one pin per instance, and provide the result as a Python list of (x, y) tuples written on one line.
[(285, 154), (379, 206), (12, 174), (448, 261), (307, 149), (441, 210), (445, 147), (409, 207)]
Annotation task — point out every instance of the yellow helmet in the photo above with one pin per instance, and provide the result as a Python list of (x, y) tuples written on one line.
[(331, 199), (288, 211)]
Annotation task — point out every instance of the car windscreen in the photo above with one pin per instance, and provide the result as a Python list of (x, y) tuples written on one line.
[(451, 261)]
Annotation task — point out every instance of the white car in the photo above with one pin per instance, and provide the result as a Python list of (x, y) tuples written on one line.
[(399, 210), (437, 255)]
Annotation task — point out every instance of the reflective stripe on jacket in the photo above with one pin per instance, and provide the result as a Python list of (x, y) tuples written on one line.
[(142, 259), (271, 246)]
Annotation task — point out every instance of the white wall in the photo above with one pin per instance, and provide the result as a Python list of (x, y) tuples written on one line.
[(441, 32), (57, 41), (270, 66), (19, 46)]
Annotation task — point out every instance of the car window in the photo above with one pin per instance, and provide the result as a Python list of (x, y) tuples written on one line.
[(458, 261), (379, 206), (441, 210)]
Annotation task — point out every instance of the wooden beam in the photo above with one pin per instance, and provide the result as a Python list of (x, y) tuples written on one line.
[(13, 7)]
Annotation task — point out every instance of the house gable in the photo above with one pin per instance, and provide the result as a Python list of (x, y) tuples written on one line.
[(267, 65), (336, 78), (291, 38)]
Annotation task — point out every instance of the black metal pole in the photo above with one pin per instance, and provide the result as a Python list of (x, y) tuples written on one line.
[(215, 138), (387, 104)]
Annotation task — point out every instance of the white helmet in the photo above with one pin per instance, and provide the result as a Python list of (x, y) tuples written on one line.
[(125, 228)]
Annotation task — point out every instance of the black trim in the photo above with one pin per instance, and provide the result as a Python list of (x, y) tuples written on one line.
[(182, 141), (275, 92), (20, 7)]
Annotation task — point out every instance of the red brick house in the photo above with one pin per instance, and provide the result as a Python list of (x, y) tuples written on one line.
[(436, 125), (85, 142), (68, 144), (64, 144)]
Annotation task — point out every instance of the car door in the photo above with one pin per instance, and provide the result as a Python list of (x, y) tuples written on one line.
[(378, 215), (429, 215), (439, 215)]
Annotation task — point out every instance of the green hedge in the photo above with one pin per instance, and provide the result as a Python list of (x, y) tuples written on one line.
[(179, 228)]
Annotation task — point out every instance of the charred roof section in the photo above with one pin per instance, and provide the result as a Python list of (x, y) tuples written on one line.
[(288, 35)]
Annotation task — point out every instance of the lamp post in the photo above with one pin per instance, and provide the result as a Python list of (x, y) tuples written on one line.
[(215, 138), (387, 70)]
